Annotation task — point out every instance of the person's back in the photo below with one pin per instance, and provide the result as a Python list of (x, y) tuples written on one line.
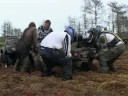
[(54, 40), (23, 48), (27, 40), (58, 40)]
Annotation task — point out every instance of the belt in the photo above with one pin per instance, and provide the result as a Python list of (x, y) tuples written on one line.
[(113, 42), (54, 51), (42, 47)]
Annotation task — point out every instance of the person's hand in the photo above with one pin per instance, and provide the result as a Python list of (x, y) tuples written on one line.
[(96, 55), (13, 49), (34, 54)]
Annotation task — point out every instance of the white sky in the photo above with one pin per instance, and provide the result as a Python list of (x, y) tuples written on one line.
[(22, 12)]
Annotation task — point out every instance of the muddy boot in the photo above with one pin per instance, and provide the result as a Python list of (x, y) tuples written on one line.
[(67, 74), (25, 65), (46, 73), (103, 69), (112, 67), (17, 65), (69, 78)]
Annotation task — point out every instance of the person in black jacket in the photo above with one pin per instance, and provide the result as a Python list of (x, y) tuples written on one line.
[(44, 30)]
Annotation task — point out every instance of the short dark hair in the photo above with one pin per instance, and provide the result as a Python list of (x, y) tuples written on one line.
[(32, 24), (48, 22)]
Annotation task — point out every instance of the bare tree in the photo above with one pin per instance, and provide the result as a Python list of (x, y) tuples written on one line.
[(72, 22), (17, 32), (93, 7), (7, 29), (124, 23), (84, 16), (79, 27), (118, 10)]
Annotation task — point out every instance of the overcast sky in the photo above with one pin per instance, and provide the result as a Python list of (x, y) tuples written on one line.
[(22, 12)]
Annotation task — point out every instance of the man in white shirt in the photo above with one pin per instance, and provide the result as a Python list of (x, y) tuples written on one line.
[(56, 50), (111, 47)]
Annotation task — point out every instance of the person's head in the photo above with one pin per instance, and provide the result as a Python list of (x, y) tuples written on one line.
[(95, 32), (70, 30), (91, 30), (47, 24), (98, 29), (32, 24)]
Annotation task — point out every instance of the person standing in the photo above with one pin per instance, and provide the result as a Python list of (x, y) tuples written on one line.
[(44, 30), (26, 44)]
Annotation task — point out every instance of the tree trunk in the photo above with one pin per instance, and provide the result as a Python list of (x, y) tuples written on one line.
[(95, 16)]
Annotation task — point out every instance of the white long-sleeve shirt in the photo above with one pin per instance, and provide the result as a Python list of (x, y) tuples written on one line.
[(109, 37), (58, 40)]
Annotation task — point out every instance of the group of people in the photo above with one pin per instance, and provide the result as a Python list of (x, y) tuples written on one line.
[(55, 49), (109, 45)]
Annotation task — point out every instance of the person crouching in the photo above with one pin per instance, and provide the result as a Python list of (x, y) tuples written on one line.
[(56, 50)]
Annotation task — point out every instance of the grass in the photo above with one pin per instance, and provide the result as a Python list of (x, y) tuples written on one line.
[(84, 83), (2, 39), (2, 44)]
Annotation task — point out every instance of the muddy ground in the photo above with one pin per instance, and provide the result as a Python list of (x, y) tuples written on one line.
[(84, 83)]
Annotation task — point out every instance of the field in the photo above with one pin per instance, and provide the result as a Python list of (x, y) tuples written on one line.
[(84, 83)]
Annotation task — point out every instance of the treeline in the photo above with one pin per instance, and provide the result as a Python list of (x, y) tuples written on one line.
[(114, 16), (8, 30)]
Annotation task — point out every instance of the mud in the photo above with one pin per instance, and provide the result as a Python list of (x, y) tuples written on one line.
[(84, 83)]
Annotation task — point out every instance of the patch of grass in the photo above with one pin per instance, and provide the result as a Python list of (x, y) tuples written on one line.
[(2, 39), (2, 44)]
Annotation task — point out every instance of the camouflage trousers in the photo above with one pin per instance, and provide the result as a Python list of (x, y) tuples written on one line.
[(24, 62), (109, 56)]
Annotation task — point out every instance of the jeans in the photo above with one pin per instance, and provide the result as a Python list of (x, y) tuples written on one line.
[(54, 57)]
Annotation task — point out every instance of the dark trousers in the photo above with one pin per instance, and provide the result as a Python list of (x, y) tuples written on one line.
[(24, 62), (53, 57), (10, 58)]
